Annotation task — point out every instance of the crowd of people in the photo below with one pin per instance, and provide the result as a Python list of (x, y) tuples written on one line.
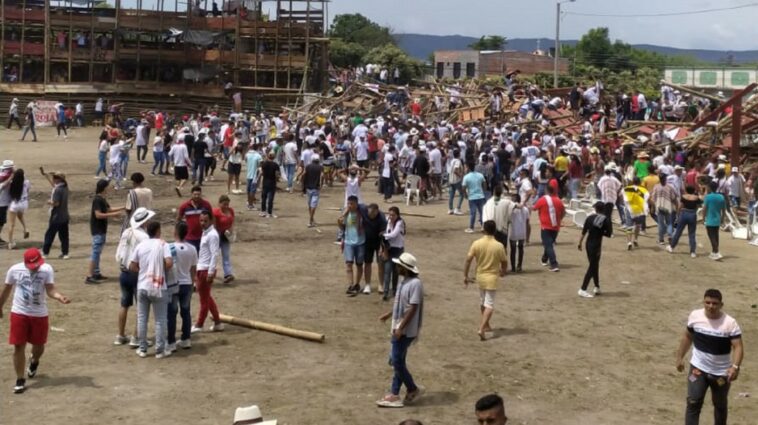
[(503, 168)]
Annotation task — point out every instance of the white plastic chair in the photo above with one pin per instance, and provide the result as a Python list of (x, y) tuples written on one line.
[(412, 187)]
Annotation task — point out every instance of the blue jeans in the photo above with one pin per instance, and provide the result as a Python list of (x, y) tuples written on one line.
[(158, 162), (27, 129), (226, 257), (124, 164), (548, 245), (474, 205), (101, 163), (541, 188), (735, 201), (390, 274), (402, 375), (198, 171), (574, 185), (98, 242), (454, 187), (624, 216), (388, 186), (665, 224), (160, 310), (686, 218), (180, 303), (290, 170)]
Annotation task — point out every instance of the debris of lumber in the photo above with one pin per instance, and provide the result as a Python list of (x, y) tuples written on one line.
[(268, 327)]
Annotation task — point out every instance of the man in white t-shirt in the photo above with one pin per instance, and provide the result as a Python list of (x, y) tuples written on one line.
[(180, 283), (181, 160), (290, 162), (387, 180), (151, 260), (361, 151), (454, 177), (32, 279)]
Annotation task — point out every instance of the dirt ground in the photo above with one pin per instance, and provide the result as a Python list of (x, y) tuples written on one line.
[(556, 358)]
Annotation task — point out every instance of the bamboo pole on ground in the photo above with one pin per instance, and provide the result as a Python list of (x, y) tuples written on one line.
[(268, 327)]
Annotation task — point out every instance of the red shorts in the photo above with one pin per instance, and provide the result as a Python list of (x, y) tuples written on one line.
[(28, 329)]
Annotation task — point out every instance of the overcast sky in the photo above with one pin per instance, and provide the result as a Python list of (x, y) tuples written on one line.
[(724, 30)]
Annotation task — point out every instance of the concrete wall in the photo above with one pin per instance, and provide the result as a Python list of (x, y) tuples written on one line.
[(470, 63), (465, 59)]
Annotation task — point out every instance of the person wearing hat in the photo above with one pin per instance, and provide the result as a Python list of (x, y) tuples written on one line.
[(642, 165), (270, 172), (13, 114), (98, 224), (596, 227), (29, 124), (250, 415), (312, 186), (29, 315), (407, 317), (130, 239), (491, 264), (59, 217), (736, 184), (6, 177)]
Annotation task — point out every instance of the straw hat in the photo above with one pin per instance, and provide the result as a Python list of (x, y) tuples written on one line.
[(643, 155), (140, 217), (250, 415), (407, 261)]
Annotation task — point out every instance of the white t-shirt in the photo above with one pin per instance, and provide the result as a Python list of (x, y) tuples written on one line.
[(29, 296), (115, 152), (103, 147), (435, 157), (145, 253), (306, 157), (388, 158), (455, 164), (524, 187), (186, 257), (179, 155), (361, 150), (290, 153)]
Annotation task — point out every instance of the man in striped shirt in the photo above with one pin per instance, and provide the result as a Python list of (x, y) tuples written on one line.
[(716, 357)]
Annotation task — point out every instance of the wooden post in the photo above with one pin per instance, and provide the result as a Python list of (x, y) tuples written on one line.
[(736, 132), (276, 42), (256, 48), (139, 41), (91, 40), (237, 46), (70, 37), (304, 84), (114, 71), (2, 37), (23, 27), (289, 50)]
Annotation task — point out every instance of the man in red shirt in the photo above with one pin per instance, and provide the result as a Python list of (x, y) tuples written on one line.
[(373, 148), (551, 211), (189, 212)]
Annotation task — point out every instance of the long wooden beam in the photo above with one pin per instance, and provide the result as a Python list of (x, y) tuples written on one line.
[(737, 97)]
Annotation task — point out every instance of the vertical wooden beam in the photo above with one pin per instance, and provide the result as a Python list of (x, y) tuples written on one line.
[(276, 42), (91, 40), (237, 47), (23, 42), (116, 43), (70, 38), (289, 50), (139, 41), (304, 84), (736, 132), (256, 46), (160, 4), (2, 38)]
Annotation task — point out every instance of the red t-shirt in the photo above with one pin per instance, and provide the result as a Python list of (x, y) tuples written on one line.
[(544, 210), (223, 222), (372, 144), (191, 215), (159, 121), (416, 108)]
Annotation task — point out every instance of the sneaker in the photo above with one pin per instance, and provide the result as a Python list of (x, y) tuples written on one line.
[(636, 245), (90, 280), (228, 278), (163, 354), (64, 257), (26, 235), (140, 352), (171, 347), (413, 396), (669, 249), (584, 294), (20, 386), (272, 216), (554, 269), (718, 256), (121, 340), (469, 230), (449, 212), (543, 263), (32, 369), (217, 327), (196, 329), (457, 212), (661, 243), (100, 277), (133, 342), (185, 344), (629, 246), (693, 255), (367, 290), (353, 290), (178, 192), (262, 214), (390, 401), (596, 291)]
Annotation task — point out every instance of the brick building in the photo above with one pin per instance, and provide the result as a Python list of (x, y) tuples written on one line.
[(472, 63)]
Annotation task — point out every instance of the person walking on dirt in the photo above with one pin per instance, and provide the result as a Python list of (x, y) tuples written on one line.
[(13, 114), (407, 317), (29, 124), (353, 244), (716, 341), (18, 189), (98, 222), (206, 273), (59, 217), (32, 279), (180, 285), (491, 264), (190, 211), (551, 212), (596, 227), (138, 196), (60, 123)]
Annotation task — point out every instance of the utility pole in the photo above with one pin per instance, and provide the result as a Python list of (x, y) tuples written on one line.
[(557, 54)]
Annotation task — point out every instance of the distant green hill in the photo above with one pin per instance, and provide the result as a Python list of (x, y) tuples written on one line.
[(421, 46)]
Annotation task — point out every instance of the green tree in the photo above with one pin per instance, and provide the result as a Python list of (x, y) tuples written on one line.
[(346, 55), (353, 36), (595, 48), (489, 42), (393, 57)]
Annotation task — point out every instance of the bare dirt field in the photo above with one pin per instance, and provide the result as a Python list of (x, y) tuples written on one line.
[(556, 358)]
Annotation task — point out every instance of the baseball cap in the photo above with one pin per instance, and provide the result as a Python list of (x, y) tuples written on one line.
[(33, 258)]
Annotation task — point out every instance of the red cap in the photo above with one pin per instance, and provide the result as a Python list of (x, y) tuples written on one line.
[(33, 259)]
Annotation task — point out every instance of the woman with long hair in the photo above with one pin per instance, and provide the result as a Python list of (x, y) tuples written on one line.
[(233, 169), (223, 217), (393, 246), (19, 191)]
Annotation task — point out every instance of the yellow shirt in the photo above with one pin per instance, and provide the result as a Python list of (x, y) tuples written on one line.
[(489, 254), (561, 164), (650, 181)]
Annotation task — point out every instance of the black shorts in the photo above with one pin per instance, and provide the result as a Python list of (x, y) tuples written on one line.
[(181, 173), (372, 156), (3, 215), (371, 251), (234, 169), (363, 163)]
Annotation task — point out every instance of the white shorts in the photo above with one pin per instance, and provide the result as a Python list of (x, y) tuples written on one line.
[(18, 207), (487, 298)]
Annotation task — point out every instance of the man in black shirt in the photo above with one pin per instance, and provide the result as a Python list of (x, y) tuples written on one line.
[(420, 167), (199, 148), (312, 185), (596, 227), (98, 224), (374, 225), (269, 177)]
